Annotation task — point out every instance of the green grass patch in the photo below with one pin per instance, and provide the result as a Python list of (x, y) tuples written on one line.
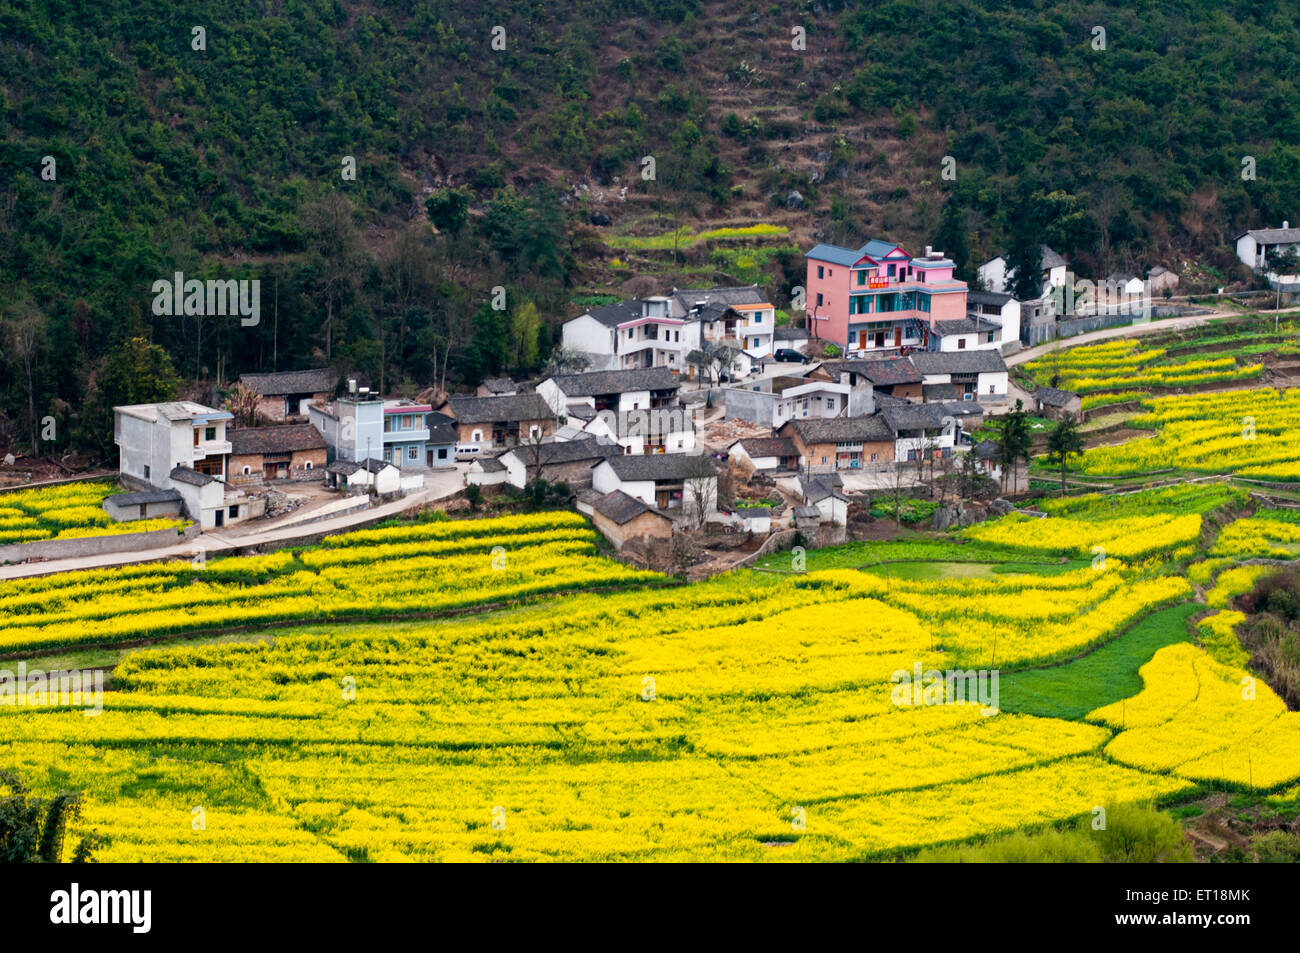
[(1101, 677)]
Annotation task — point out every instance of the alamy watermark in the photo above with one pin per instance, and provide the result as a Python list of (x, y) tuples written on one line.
[(73, 688), (953, 687), (213, 298), (1084, 297)]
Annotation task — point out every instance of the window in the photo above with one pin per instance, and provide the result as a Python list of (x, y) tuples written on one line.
[(234, 512), (211, 434), (821, 271), (477, 436), (989, 339), (923, 302), (823, 459), (247, 471), (146, 471), (412, 453), (442, 453), (874, 456), (819, 299), (862, 277), (830, 403), (758, 317), (891, 270), (307, 465), (755, 342), (630, 332), (961, 344)]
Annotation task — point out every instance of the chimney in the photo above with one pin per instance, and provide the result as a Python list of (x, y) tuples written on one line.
[(352, 385), (1286, 224), (928, 251)]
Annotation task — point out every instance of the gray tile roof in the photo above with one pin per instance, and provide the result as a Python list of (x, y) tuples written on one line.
[(658, 466), (902, 417), (345, 467), (621, 508), (316, 381), (500, 385), (834, 254), (282, 439), (191, 476), (486, 410), (1273, 236), (959, 362), (565, 451), (594, 383), (840, 429), (807, 513), (1053, 397), (688, 298), (442, 429), (884, 372), (975, 296), (768, 446), (144, 496), (612, 315)]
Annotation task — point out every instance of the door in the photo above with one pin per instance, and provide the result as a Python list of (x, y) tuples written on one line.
[(221, 518), (268, 471), (898, 336), (428, 459)]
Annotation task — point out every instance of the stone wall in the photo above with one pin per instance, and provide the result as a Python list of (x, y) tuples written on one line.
[(94, 545)]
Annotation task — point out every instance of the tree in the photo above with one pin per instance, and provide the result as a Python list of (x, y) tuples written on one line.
[(448, 209), (25, 337), (1015, 443), (525, 330), (1062, 443), (32, 830), (700, 488), (242, 402)]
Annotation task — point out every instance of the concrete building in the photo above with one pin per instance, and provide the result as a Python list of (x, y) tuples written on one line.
[(978, 375), (144, 505), (154, 439), (363, 476), (352, 425), (998, 308), (564, 461), (772, 401), (1256, 248)]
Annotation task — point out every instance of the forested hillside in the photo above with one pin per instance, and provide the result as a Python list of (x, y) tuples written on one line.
[(479, 167)]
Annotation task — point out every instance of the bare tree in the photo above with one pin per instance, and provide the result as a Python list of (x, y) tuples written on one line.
[(700, 487), (25, 334)]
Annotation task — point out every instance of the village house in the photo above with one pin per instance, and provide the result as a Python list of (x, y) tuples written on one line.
[(567, 461), (978, 374), (286, 395), (363, 476), (971, 333), (144, 505), (888, 376), (1057, 404), (1038, 315), (637, 389), (930, 429), (621, 518), (497, 387), (996, 307), (154, 439), (774, 400), (661, 430), (440, 450), (283, 452), (825, 491), (499, 422), (686, 484), (352, 425), (1160, 280), (661, 330), (878, 299), (486, 471), (209, 501), (765, 454), (793, 339), (840, 443), (406, 434), (1257, 247)]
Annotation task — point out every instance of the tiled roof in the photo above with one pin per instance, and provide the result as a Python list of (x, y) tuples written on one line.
[(612, 315), (143, 496), (191, 476), (959, 362), (317, 381), (834, 254), (621, 508), (768, 446), (658, 466), (975, 296), (593, 383), (1054, 397), (885, 372), (688, 298), (283, 439), (1273, 236), (500, 385), (790, 334), (565, 451), (486, 410), (841, 429)]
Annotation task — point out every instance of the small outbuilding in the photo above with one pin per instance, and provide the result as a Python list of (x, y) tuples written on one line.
[(620, 518)]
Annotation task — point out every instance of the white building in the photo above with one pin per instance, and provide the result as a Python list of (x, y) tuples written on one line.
[(977, 375), (154, 439), (996, 307), (1256, 246), (679, 482), (660, 331), (771, 401), (993, 273)]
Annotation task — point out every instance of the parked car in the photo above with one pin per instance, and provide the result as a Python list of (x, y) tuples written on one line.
[(467, 451), (788, 354)]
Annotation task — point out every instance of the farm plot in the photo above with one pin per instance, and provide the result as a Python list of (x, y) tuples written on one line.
[(64, 512)]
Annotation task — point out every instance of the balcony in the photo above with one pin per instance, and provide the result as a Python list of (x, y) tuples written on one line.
[(414, 435), (211, 448)]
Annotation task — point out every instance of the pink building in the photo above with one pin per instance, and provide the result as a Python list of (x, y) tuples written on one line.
[(878, 298)]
